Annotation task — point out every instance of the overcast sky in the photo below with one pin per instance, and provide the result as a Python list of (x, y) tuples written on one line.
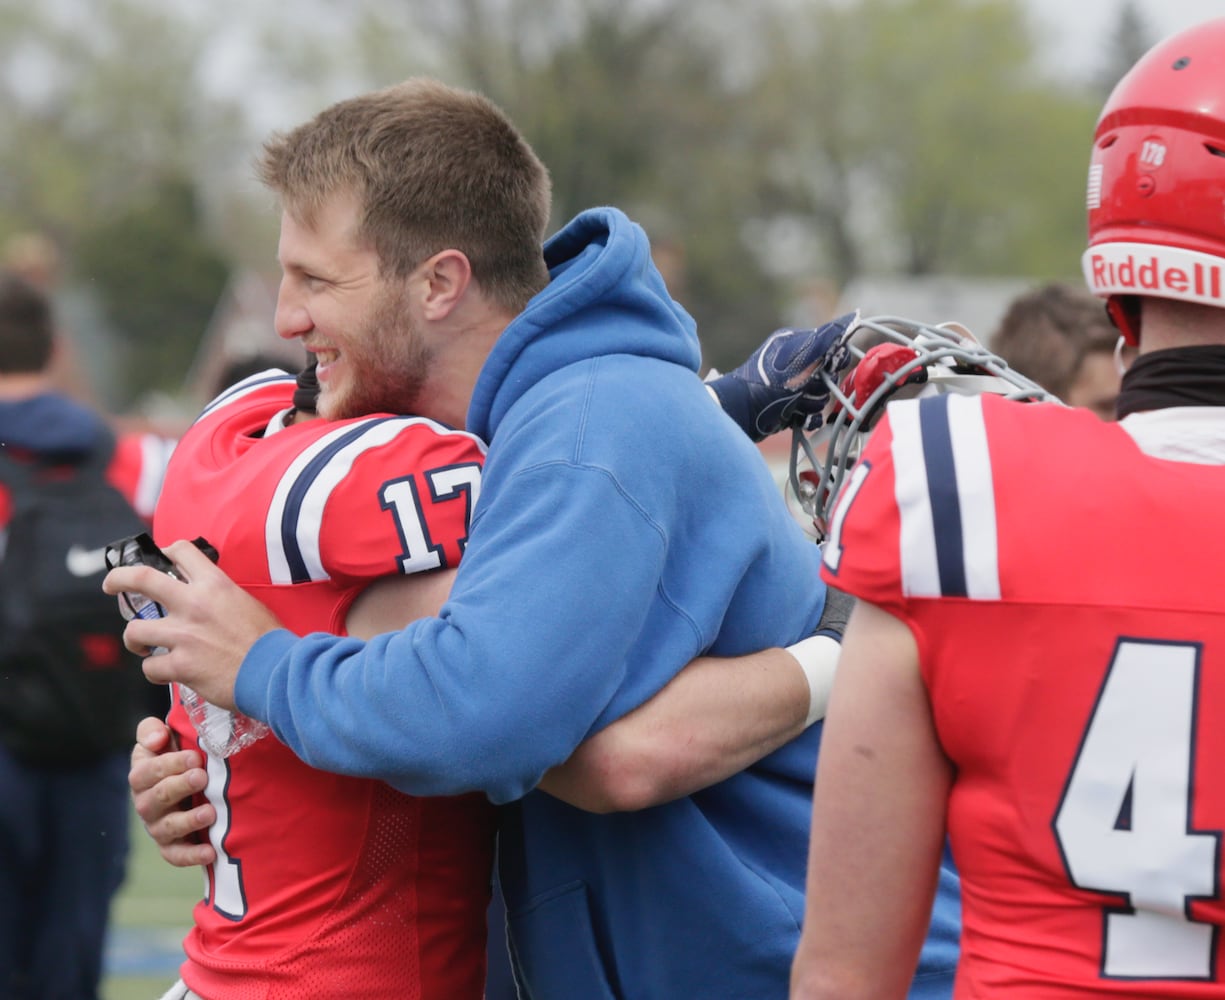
[(1071, 22)]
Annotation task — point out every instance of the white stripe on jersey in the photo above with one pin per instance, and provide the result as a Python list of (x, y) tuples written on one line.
[(976, 491), (967, 535), (155, 452), (917, 538), (247, 386)]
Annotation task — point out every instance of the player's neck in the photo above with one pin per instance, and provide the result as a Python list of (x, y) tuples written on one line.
[(456, 368), (24, 385), (1168, 324)]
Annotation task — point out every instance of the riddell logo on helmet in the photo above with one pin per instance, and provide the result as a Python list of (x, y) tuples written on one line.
[(1140, 273)]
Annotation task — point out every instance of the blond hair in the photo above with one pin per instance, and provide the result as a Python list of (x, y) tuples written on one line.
[(434, 168)]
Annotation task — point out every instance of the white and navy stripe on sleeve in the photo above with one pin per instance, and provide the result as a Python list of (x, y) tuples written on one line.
[(945, 498), (294, 522), (155, 452), (245, 387)]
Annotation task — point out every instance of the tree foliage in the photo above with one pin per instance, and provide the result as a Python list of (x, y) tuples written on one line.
[(928, 143), (102, 107), (157, 287), (635, 111), (630, 104), (762, 146), (1129, 39)]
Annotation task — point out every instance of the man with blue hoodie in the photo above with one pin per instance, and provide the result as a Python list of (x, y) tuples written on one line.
[(623, 526)]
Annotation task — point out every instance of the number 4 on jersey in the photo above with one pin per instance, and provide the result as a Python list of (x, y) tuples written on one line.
[(1124, 825)]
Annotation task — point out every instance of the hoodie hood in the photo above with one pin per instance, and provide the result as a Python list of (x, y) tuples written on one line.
[(49, 424), (605, 296)]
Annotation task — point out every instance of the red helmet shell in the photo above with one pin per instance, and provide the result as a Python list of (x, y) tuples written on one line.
[(1156, 193)]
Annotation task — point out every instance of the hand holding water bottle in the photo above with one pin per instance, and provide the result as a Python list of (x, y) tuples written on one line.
[(221, 732)]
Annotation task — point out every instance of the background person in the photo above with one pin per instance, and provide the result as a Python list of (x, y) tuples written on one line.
[(70, 693), (1060, 336)]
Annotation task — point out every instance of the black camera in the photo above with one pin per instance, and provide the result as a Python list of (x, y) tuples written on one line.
[(141, 550)]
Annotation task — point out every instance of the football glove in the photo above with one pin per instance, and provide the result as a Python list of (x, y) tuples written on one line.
[(781, 384)]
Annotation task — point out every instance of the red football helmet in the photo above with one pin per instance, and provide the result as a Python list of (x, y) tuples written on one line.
[(890, 358), (1156, 195)]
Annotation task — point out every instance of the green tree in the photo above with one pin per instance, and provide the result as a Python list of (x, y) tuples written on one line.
[(1128, 40), (636, 111), (101, 99), (630, 104), (918, 136), (761, 145), (104, 102), (159, 288)]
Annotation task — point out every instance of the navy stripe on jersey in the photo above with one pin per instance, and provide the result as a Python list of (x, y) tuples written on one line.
[(294, 523), (945, 497), (296, 498), (942, 492)]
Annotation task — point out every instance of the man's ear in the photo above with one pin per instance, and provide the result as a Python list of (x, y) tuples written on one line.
[(447, 276)]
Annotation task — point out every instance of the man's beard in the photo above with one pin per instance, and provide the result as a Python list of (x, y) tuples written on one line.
[(387, 366)]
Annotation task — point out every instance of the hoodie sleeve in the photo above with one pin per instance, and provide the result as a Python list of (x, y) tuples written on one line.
[(525, 657)]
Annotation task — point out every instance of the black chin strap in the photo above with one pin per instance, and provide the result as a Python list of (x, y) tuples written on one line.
[(306, 394), (1180, 376)]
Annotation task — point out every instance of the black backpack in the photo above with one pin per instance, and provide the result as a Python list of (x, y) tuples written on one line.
[(69, 691)]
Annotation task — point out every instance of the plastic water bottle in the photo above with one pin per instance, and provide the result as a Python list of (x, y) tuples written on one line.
[(220, 731)]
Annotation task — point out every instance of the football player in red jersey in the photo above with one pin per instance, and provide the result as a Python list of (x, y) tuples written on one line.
[(321, 881), (1037, 660)]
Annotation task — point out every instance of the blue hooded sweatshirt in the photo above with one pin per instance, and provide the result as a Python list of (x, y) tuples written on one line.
[(624, 526)]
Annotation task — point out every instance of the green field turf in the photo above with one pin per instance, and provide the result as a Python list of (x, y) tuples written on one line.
[(150, 917)]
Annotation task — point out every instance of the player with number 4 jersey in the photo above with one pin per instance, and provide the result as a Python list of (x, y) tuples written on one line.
[(1025, 576), (325, 884), (1036, 663)]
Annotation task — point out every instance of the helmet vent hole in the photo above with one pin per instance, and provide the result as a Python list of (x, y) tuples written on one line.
[(1214, 150), (1182, 63)]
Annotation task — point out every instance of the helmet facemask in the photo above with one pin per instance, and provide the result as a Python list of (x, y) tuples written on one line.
[(889, 358)]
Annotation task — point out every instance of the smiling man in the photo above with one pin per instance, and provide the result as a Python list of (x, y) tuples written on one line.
[(625, 525)]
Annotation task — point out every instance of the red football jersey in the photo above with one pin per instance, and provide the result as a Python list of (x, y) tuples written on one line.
[(328, 885), (1063, 588), (138, 467)]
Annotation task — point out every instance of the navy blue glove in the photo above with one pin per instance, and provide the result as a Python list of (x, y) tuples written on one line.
[(780, 385)]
